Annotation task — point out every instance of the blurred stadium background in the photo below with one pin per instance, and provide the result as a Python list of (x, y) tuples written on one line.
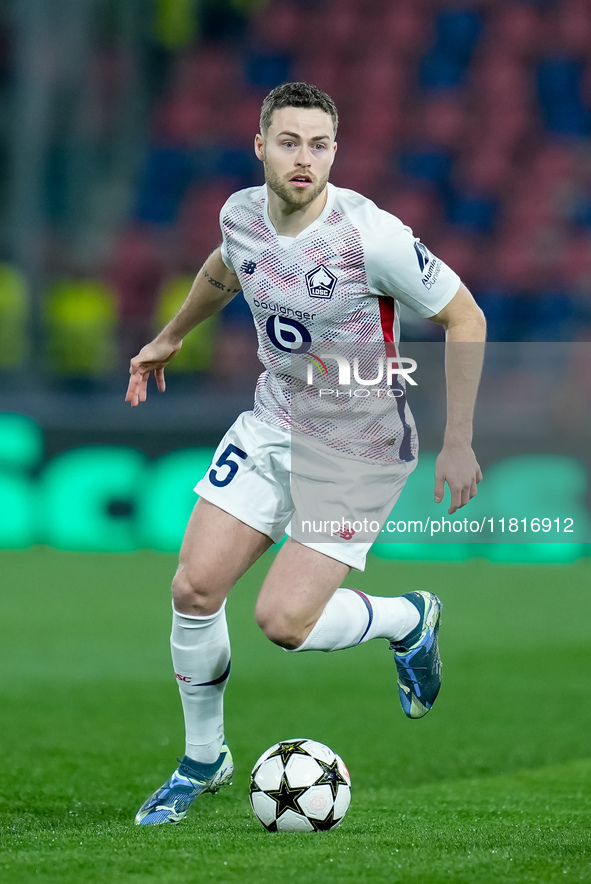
[(126, 123)]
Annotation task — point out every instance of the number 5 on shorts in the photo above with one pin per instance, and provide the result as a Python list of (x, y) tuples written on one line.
[(224, 461)]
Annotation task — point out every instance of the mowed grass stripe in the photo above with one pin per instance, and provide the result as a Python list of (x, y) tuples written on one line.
[(531, 826)]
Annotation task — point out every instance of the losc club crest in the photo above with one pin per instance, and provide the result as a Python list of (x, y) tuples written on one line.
[(321, 282)]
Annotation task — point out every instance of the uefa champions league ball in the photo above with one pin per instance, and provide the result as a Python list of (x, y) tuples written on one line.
[(300, 786)]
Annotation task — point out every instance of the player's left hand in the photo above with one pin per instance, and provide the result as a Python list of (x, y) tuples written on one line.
[(457, 465)]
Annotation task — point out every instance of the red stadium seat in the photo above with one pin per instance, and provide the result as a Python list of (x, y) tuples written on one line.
[(182, 121), (442, 120), (381, 80), (199, 226), (554, 162), (337, 23), (244, 122), (276, 25), (384, 124), (506, 130), (531, 208), (328, 73), (360, 167), (517, 28), (567, 29), (501, 81), (486, 167), (406, 28), (460, 252), (419, 209), (514, 265), (206, 74), (136, 272)]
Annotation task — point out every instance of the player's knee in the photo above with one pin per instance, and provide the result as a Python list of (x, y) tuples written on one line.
[(192, 595), (280, 628)]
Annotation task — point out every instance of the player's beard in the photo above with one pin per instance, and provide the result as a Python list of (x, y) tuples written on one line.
[(296, 199)]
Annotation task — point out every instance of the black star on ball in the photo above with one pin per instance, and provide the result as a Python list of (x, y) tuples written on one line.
[(331, 775), (286, 796), (287, 749)]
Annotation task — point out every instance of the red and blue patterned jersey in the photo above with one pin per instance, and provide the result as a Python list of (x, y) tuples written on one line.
[(338, 286)]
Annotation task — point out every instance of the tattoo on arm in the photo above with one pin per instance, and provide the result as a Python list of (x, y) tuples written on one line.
[(219, 285), (214, 282)]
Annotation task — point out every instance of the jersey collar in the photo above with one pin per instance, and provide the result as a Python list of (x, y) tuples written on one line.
[(330, 199)]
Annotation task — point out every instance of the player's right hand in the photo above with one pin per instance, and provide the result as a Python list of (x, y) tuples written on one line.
[(151, 358)]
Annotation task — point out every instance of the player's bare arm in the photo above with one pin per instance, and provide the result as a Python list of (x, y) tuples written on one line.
[(213, 288), (465, 333)]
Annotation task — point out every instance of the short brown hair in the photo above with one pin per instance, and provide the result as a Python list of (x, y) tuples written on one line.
[(297, 95)]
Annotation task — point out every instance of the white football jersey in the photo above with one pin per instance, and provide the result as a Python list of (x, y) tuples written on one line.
[(334, 288)]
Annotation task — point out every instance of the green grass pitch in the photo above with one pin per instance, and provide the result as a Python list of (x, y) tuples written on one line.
[(494, 785)]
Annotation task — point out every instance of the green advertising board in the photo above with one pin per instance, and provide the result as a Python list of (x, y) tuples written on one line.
[(113, 498)]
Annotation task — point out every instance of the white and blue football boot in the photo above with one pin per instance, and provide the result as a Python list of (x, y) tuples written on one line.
[(171, 802), (417, 657)]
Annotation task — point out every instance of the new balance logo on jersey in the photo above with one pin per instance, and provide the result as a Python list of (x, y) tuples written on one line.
[(321, 282), (248, 267), (345, 533)]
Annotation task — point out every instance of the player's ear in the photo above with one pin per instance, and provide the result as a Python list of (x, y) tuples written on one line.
[(259, 147), (334, 151)]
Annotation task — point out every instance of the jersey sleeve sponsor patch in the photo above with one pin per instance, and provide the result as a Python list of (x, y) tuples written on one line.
[(429, 265), (400, 265)]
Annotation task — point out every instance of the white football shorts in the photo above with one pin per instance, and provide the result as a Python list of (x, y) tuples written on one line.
[(281, 484)]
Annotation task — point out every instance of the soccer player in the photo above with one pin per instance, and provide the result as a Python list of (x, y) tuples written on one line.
[(317, 264)]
